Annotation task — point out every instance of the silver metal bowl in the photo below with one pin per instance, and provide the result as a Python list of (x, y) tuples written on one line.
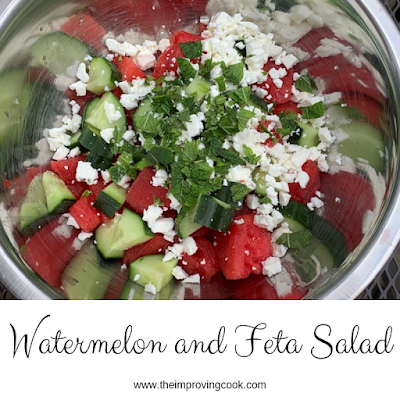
[(22, 22)]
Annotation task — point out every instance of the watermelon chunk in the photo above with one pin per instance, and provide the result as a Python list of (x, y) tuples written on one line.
[(66, 169), (203, 262), (128, 68), (156, 245), (141, 194), (241, 251), (303, 195), (50, 250), (86, 29), (87, 217)]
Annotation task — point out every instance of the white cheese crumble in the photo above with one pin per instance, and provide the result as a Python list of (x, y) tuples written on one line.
[(112, 114), (271, 266), (86, 173)]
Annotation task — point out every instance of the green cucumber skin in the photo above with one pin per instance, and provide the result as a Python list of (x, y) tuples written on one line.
[(98, 82), (152, 269), (309, 136), (110, 200), (97, 119), (184, 222), (99, 162), (331, 238), (95, 143), (57, 51), (87, 276), (212, 214), (90, 106), (121, 233), (34, 206), (58, 197), (364, 141), (299, 212)]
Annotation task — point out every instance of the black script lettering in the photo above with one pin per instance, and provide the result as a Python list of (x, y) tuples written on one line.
[(325, 342), (214, 346), (279, 343), (252, 339), (25, 339), (139, 345)]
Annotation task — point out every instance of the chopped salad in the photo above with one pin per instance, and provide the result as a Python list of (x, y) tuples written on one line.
[(208, 162)]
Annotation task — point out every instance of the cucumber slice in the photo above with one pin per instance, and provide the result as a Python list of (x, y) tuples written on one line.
[(97, 119), (90, 106), (214, 213), (87, 276), (94, 143), (102, 75), (198, 88), (312, 259), (364, 141), (121, 233), (57, 51), (99, 162), (184, 222), (34, 207), (110, 199), (309, 136), (152, 269), (14, 101), (58, 197), (298, 212), (75, 140), (331, 238)]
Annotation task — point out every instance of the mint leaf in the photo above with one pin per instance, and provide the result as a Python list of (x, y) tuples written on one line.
[(160, 155), (206, 68), (149, 124), (243, 118), (306, 84), (191, 49), (201, 171), (221, 83), (86, 193), (289, 123), (234, 73), (317, 110), (239, 191), (261, 103), (231, 156), (296, 240), (157, 201), (249, 155), (116, 173), (240, 96), (186, 70)]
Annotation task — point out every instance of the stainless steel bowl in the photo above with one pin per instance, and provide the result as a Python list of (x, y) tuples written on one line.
[(22, 22)]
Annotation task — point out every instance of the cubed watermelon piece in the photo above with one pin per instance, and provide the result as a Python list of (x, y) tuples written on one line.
[(241, 251), (156, 245), (347, 198), (66, 169), (87, 217), (141, 194), (303, 195), (203, 262), (50, 250), (128, 68), (86, 29), (279, 94)]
